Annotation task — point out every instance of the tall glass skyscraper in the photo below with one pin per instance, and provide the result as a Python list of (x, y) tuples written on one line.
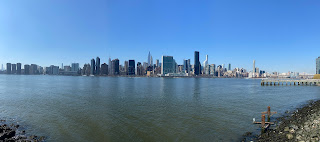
[(168, 65), (93, 67), (98, 66), (131, 70), (196, 63), (318, 65)]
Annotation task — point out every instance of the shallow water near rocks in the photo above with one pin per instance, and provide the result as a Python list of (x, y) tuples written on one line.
[(66, 108)]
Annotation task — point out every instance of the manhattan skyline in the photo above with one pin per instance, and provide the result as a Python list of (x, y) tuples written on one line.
[(280, 36)]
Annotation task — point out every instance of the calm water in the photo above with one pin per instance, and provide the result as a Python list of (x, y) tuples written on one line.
[(142, 109)]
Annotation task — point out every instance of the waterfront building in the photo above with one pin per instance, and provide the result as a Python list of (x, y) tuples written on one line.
[(139, 69), (8, 68), (212, 69), (34, 69), (104, 69), (97, 66), (254, 69), (150, 60), (185, 66), (14, 68), (131, 69), (27, 69), (109, 66), (75, 67), (67, 68), (229, 67), (197, 66), (54, 69), (126, 67), (115, 67), (18, 68), (86, 69), (318, 65), (168, 65), (206, 65), (93, 67)]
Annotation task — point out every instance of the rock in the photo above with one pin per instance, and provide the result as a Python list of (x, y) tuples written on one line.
[(286, 129), (247, 134), (292, 131), (289, 136), (8, 135)]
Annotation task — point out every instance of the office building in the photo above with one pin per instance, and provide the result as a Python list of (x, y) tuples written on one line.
[(131, 69), (140, 69), (212, 69), (33, 69), (318, 65), (168, 65), (75, 67), (157, 63), (104, 69), (93, 67), (8, 68), (206, 66), (150, 60), (18, 68), (126, 67), (54, 69), (229, 67), (97, 66), (197, 66), (14, 68), (67, 68), (254, 69), (115, 67), (27, 69)]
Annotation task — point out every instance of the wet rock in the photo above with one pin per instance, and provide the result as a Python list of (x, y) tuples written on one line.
[(247, 134), (289, 136)]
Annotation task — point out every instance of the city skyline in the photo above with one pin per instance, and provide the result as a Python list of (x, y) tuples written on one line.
[(283, 38)]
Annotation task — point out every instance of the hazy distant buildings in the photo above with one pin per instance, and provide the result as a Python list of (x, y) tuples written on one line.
[(97, 66), (197, 66), (8, 68), (93, 67), (27, 69), (168, 65), (126, 67), (229, 67), (75, 67), (18, 68), (318, 65), (14, 68), (131, 69)]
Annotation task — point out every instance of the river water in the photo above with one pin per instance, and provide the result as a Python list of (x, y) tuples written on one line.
[(66, 108)]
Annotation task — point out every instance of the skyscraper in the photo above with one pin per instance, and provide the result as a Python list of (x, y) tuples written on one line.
[(14, 68), (318, 65), (8, 68), (168, 65), (104, 69), (131, 70), (115, 67), (126, 67), (229, 67), (98, 66), (254, 69), (18, 68), (93, 67), (75, 67), (206, 66), (109, 66), (157, 63), (197, 65), (149, 59), (26, 69)]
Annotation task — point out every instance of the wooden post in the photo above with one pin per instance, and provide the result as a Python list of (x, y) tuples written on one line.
[(263, 121), (269, 113)]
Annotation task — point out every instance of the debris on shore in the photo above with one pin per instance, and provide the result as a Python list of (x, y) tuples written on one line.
[(13, 133), (301, 125)]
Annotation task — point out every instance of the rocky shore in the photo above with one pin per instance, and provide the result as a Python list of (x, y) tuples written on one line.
[(13, 133), (302, 125)]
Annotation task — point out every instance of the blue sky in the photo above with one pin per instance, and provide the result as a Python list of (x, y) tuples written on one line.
[(281, 35)]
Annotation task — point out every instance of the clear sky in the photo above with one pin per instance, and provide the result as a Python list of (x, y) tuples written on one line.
[(281, 35)]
